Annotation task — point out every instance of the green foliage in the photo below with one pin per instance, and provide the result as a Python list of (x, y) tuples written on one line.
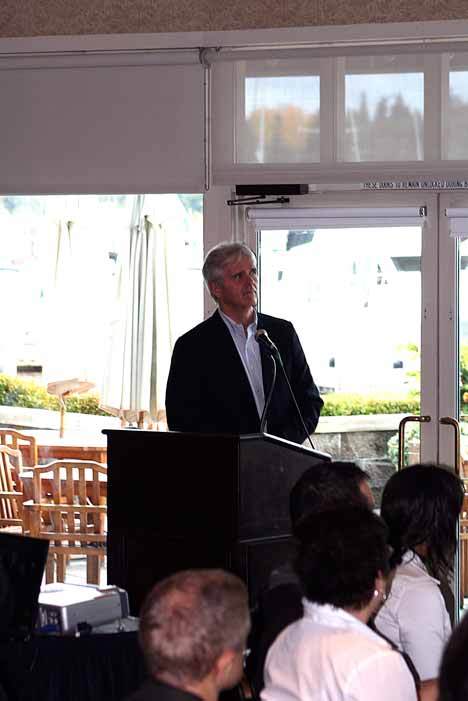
[(85, 404), (411, 443), (341, 404), (27, 393), (464, 378)]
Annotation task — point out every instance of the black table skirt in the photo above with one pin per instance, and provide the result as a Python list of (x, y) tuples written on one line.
[(89, 668)]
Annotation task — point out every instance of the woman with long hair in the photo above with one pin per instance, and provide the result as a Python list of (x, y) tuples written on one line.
[(420, 506)]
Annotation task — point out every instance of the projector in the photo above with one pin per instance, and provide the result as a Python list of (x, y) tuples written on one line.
[(74, 609)]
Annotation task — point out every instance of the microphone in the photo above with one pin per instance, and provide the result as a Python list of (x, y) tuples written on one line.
[(262, 337)]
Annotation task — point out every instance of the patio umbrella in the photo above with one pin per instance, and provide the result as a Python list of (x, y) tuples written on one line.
[(142, 330), (64, 389), (76, 296)]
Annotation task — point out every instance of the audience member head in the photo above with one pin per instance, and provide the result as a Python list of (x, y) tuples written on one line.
[(421, 505), (329, 485), (193, 630), (219, 256), (343, 559), (453, 677)]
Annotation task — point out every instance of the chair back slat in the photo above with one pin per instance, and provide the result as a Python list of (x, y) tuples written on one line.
[(20, 441), (82, 485), (6, 507), (69, 486), (11, 496)]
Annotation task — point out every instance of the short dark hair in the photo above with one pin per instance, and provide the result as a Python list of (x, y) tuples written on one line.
[(421, 504), (189, 619), (327, 485), (453, 676), (341, 553)]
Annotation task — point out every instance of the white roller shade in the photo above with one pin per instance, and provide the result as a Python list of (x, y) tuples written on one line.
[(321, 218), (458, 222), (101, 128)]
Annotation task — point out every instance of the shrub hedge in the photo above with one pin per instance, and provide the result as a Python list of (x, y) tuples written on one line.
[(341, 404), (15, 391), (28, 393)]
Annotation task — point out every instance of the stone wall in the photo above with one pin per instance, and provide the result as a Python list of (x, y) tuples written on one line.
[(366, 446)]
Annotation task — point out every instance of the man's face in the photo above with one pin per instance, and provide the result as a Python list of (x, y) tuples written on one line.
[(237, 291)]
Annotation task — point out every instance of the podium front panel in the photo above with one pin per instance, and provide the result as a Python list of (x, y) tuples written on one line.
[(269, 468), (181, 500)]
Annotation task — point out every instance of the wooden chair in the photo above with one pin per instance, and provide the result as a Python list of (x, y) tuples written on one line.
[(20, 441), (70, 513), (11, 493)]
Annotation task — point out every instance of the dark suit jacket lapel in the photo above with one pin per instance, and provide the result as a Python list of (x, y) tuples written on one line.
[(229, 356), (221, 337)]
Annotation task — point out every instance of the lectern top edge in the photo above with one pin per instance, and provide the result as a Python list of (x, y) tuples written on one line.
[(243, 438), (269, 438)]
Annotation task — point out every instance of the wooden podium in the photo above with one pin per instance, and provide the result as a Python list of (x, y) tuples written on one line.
[(182, 500)]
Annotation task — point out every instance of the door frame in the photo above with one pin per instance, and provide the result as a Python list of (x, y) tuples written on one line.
[(448, 351), (431, 362)]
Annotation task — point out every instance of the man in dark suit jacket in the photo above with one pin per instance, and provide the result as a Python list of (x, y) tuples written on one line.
[(193, 630), (220, 376)]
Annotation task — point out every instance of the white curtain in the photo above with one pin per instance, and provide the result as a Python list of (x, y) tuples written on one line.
[(142, 330), (77, 298)]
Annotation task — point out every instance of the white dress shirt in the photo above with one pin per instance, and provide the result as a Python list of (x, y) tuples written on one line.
[(414, 616), (329, 655), (249, 352)]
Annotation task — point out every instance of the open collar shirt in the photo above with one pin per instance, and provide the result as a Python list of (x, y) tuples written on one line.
[(329, 655), (249, 352), (414, 616)]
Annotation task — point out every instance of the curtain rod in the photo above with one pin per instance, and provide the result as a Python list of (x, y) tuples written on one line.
[(418, 43), (336, 49)]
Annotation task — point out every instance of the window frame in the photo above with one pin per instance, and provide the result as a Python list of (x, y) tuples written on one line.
[(433, 62)]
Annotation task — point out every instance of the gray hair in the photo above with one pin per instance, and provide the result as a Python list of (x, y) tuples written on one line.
[(189, 619), (222, 254)]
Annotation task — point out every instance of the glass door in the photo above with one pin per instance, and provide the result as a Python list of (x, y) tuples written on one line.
[(360, 285)]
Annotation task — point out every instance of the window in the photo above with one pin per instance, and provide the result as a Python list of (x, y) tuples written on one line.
[(67, 294), (280, 120), (458, 108), (384, 107), (314, 118)]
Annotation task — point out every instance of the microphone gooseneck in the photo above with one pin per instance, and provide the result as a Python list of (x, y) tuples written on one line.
[(263, 420), (262, 337)]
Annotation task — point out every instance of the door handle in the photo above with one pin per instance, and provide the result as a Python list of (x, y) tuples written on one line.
[(401, 436), (450, 421)]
